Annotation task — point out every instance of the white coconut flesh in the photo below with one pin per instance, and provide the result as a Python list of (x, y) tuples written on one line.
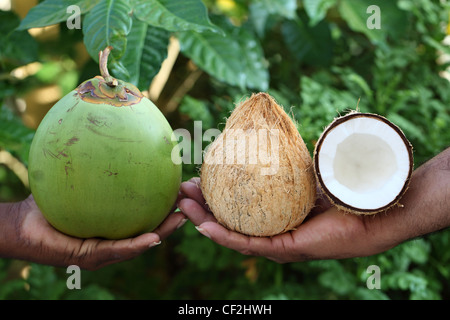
[(364, 162)]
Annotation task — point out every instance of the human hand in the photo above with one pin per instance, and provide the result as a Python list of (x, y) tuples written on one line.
[(327, 233), (28, 236)]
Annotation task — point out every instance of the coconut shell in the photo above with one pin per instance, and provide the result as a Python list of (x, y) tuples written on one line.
[(257, 176)]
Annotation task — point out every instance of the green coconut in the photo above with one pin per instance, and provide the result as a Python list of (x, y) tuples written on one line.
[(100, 164)]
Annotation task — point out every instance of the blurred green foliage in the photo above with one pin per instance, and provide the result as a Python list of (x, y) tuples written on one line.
[(318, 59)]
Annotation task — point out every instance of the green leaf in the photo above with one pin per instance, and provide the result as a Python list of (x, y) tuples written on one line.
[(261, 10), (153, 54), (338, 279), (257, 75), (44, 283), (411, 129), (127, 69), (14, 135), (51, 12), (107, 24), (393, 22), (197, 110), (146, 50), (174, 15), (311, 45), (317, 9), (286, 9), (236, 58), (17, 47)]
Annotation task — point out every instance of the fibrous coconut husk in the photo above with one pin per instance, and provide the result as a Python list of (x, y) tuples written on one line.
[(257, 176)]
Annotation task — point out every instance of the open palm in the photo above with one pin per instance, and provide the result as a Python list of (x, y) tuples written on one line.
[(327, 233), (32, 238)]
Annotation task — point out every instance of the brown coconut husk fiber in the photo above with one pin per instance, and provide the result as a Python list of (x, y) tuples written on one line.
[(257, 176)]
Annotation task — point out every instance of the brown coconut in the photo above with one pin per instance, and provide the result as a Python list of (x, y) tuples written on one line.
[(257, 176)]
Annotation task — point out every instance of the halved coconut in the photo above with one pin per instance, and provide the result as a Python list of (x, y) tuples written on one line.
[(363, 163)]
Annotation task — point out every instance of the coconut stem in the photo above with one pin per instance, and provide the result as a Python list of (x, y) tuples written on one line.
[(103, 62)]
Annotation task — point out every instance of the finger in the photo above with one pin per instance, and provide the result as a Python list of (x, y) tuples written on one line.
[(195, 180), (95, 253), (170, 224), (256, 246), (195, 212), (192, 190)]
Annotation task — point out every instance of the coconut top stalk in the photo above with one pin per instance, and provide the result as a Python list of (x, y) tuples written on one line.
[(103, 64), (105, 89)]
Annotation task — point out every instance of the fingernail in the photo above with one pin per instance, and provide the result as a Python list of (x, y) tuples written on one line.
[(181, 223), (154, 244), (203, 232)]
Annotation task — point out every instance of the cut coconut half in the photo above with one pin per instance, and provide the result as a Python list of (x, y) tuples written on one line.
[(363, 163)]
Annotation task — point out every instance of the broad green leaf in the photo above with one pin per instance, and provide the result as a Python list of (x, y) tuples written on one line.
[(236, 58), (360, 13), (51, 12), (153, 54), (215, 54), (257, 75), (286, 8), (260, 10), (17, 47), (174, 15), (311, 45), (107, 24), (317, 9), (146, 50), (127, 69)]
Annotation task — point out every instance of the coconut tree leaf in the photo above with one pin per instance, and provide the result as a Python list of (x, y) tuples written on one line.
[(174, 15), (107, 24), (236, 58), (51, 12)]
